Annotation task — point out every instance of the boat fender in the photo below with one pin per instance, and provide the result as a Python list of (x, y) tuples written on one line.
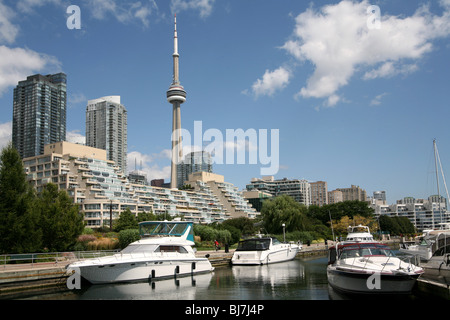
[(332, 255), (207, 255)]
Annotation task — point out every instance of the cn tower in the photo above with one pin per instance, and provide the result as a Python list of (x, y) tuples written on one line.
[(176, 96)]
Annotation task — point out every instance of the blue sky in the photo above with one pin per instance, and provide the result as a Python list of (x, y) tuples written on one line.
[(354, 104)]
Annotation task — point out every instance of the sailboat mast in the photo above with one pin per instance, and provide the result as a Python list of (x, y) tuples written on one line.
[(437, 180)]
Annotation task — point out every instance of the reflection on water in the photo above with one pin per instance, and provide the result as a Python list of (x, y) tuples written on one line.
[(300, 279), (297, 279), (182, 288)]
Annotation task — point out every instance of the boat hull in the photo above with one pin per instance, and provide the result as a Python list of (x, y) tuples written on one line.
[(437, 268), (366, 282), (264, 257), (140, 270)]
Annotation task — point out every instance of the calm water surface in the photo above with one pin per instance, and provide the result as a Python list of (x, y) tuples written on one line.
[(300, 279)]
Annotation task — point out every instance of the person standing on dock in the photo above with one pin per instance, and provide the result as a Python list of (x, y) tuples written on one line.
[(216, 244)]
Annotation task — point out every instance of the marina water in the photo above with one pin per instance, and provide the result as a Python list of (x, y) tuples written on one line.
[(299, 279)]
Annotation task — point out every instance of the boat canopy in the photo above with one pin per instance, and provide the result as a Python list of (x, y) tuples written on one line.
[(364, 250), (257, 244), (167, 229)]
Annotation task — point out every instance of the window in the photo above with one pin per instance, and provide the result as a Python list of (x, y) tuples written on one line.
[(178, 249)]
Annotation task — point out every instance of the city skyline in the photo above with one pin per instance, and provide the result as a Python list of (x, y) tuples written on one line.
[(363, 117)]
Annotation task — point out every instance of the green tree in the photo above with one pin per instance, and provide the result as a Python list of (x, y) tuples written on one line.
[(60, 219), (396, 225), (146, 216), (339, 210), (283, 210), (128, 236), (244, 224), (18, 223), (127, 220)]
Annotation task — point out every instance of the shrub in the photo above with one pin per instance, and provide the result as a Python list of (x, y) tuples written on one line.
[(85, 238), (128, 236), (102, 244)]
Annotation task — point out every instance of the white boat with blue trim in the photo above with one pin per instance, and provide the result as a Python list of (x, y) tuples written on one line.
[(164, 251)]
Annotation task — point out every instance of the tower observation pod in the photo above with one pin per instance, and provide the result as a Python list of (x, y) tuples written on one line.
[(176, 95)]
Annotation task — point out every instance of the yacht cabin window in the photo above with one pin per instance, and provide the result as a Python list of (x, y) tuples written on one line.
[(164, 248), (254, 245)]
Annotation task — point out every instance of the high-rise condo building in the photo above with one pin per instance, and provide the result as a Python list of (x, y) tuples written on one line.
[(39, 113), (299, 190), (319, 193), (106, 128), (198, 161), (353, 193)]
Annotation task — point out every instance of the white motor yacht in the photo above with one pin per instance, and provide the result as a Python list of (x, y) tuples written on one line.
[(358, 233), (263, 251), (437, 266), (165, 250), (369, 267), (427, 244)]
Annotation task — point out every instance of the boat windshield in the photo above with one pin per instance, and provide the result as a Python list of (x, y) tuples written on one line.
[(254, 245), (139, 248), (166, 229), (365, 250)]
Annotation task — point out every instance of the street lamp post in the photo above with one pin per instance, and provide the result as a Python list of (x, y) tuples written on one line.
[(284, 232)]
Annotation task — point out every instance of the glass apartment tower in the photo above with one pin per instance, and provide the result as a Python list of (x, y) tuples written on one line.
[(198, 161), (106, 128), (39, 113)]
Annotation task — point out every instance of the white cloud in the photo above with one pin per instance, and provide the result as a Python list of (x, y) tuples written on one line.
[(123, 12), (338, 42), (27, 6), (271, 82), (5, 134), (203, 6), (75, 137), (18, 63), (8, 31), (389, 69), (76, 98), (377, 100), (147, 163)]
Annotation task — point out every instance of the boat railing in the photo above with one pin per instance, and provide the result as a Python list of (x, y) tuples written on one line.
[(39, 260), (411, 259)]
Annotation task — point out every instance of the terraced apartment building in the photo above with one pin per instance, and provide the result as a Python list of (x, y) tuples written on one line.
[(100, 188)]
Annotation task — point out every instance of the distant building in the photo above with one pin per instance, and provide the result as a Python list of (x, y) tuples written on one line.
[(229, 196), (423, 214), (407, 200), (39, 113), (379, 195), (256, 198), (335, 196), (353, 193), (157, 183), (193, 162), (319, 193), (106, 128), (138, 177), (299, 190)]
